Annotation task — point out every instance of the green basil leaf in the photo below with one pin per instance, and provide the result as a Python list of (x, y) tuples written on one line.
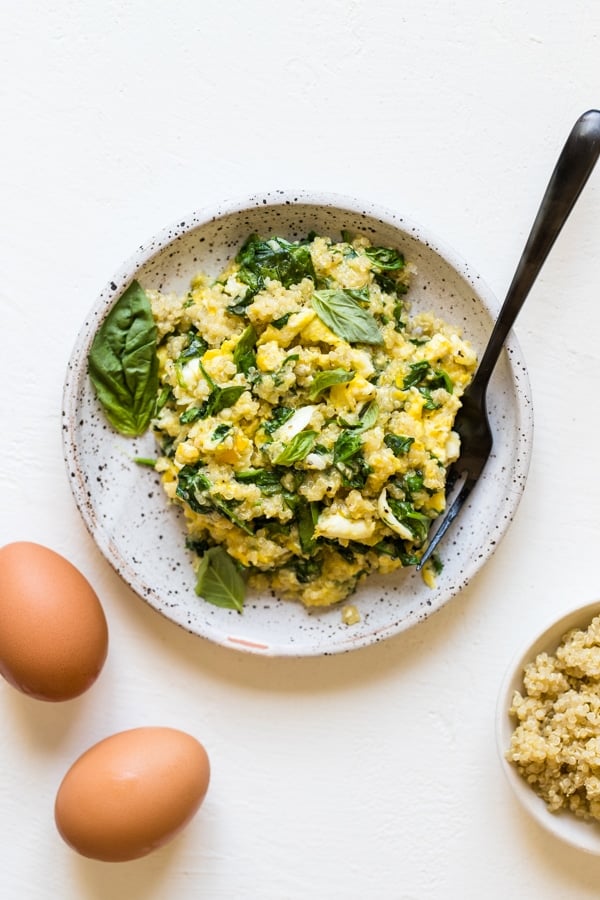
[(345, 317), (324, 380), (218, 399), (299, 447), (399, 444), (227, 396), (219, 580), (368, 416), (123, 365)]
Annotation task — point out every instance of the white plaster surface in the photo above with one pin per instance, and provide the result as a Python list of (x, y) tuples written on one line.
[(367, 775)]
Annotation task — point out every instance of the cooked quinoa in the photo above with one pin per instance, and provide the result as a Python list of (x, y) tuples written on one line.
[(305, 418), (556, 742)]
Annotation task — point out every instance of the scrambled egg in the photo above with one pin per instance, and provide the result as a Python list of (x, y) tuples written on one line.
[(304, 418)]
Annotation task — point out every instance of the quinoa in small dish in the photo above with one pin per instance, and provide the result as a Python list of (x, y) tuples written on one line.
[(555, 745)]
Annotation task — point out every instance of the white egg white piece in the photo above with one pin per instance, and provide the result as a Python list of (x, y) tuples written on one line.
[(295, 424)]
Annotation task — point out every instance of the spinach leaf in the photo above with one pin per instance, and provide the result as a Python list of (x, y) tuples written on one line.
[(385, 258), (386, 282), (219, 580), (276, 258), (307, 569), (196, 545), (416, 374), (196, 347), (436, 563), (327, 379), (281, 371), (413, 481), (398, 313), (346, 317), (348, 459), (225, 507), (429, 401), (192, 487), (399, 444), (299, 447), (440, 379), (416, 522), (242, 303), (426, 379), (162, 399), (218, 399), (308, 513), (346, 446), (220, 432), (354, 472), (281, 321), (266, 479), (244, 356), (192, 415), (123, 365)]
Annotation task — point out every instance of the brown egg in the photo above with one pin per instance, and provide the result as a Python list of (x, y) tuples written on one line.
[(53, 633), (131, 793)]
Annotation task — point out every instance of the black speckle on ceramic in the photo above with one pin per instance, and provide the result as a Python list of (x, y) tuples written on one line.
[(123, 506)]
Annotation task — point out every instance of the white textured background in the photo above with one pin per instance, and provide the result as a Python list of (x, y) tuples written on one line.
[(375, 774)]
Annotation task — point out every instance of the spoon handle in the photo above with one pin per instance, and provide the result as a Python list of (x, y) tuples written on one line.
[(572, 170)]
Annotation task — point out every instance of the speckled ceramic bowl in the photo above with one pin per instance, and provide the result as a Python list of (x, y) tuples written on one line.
[(143, 538), (563, 825)]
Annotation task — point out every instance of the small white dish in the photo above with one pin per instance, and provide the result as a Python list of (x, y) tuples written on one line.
[(142, 536), (564, 825)]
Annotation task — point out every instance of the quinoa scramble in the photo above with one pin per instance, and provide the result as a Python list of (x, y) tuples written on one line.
[(555, 745), (304, 417)]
